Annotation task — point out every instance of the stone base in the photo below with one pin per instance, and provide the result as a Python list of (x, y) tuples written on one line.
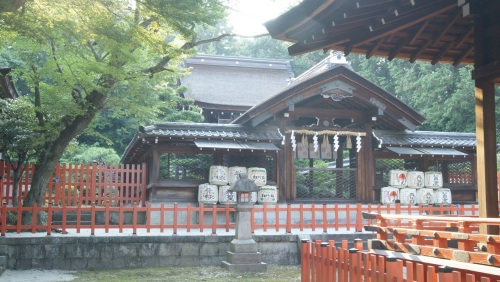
[(252, 267), (243, 258)]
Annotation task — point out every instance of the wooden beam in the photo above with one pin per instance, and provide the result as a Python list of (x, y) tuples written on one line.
[(441, 53), (462, 56), (328, 113), (420, 50), (446, 28), (486, 153), (403, 22), (419, 31), (374, 48)]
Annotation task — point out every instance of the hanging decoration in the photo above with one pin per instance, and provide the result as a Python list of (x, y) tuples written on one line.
[(315, 142), (348, 142), (336, 143), (294, 144), (358, 143)]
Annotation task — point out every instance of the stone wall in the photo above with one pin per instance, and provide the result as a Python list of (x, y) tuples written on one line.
[(98, 252)]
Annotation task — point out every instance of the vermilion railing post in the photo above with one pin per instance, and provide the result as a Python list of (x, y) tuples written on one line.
[(226, 210), (188, 218), (325, 219), (288, 218), (445, 273), (49, 219), (148, 218), (134, 220), (252, 220), (305, 264), (353, 265), (34, 213), (324, 261), (301, 216), (202, 217), (162, 217), (336, 208), (175, 217), (313, 217), (4, 218), (277, 216), (120, 217), (143, 184), (348, 217), (19, 217), (359, 217), (214, 219), (92, 219), (106, 218), (264, 217)]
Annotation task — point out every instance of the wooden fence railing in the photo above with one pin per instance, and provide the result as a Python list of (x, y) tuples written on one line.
[(456, 238), (323, 261), (74, 184), (188, 218)]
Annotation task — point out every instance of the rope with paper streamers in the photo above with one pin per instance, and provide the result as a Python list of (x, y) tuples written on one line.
[(326, 134)]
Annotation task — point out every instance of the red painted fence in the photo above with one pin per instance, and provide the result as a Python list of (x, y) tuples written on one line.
[(174, 218), (323, 261), (74, 184)]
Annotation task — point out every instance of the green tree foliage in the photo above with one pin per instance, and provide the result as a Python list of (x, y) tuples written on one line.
[(84, 154), (79, 59), (19, 136)]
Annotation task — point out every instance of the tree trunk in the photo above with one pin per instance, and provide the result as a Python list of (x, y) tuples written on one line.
[(49, 159)]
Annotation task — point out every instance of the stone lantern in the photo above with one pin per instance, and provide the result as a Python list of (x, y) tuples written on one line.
[(243, 255)]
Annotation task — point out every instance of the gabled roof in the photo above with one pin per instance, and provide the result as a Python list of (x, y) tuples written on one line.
[(227, 136), (234, 81), (425, 139), (430, 30), (367, 98)]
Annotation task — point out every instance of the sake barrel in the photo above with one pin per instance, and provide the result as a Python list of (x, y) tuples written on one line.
[(268, 195), (426, 196), (218, 175), (415, 179), (253, 197), (234, 173), (408, 196), (389, 195), (225, 196), (433, 179), (208, 193), (398, 178), (258, 175), (443, 196)]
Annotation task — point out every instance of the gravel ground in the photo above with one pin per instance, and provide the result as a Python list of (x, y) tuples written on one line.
[(37, 275)]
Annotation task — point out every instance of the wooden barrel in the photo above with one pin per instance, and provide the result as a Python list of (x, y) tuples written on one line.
[(258, 175), (389, 195), (426, 196), (225, 196), (398, 178), (268, 195), (234, 173), (443, 196), (408, 196), (218, 175), (433, 179), (208, 193), (415, 179)]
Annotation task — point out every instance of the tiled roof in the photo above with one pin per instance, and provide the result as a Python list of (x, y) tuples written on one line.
[(234, 81), (210, 131), (425, 138)]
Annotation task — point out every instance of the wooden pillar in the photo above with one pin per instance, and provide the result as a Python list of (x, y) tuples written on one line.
[(283, 156), (486, 72), (486, 153), (366, 168)]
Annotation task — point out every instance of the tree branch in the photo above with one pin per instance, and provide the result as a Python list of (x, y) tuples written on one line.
[(38, 99)]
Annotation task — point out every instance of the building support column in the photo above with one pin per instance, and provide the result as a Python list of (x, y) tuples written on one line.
[(486, 157)]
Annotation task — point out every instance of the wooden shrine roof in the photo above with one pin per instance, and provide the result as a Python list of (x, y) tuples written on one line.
[(217, 82), (206, 134), (309, 96), (425, 139), (429, 30)]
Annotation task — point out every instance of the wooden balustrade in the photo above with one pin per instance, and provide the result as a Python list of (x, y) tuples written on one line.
[(448, 237), (326, 261)]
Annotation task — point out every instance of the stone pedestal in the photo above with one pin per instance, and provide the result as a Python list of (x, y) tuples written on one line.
[(243, 255)]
